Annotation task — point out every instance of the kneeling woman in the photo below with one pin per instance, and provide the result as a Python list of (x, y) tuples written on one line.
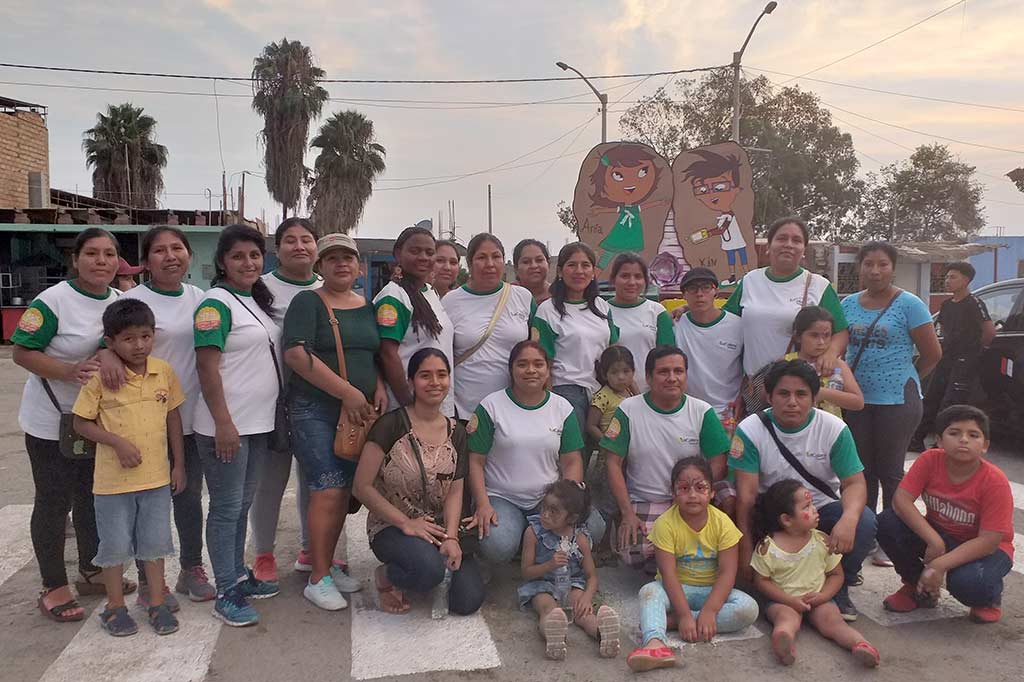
[(410, 478)]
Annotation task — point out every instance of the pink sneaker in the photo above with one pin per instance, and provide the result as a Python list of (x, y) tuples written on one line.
[(265, 568), (304, 563)]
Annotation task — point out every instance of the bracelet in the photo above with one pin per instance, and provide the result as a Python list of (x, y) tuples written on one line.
[(450, 537)]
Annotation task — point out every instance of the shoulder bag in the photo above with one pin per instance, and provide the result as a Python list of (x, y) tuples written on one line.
[(349, 438), (498, 310), (870, 331), (280, 437), (787, 454), (71, 444)]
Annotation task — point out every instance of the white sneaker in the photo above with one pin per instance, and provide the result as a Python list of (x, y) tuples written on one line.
[(343, 582), (325, 595)]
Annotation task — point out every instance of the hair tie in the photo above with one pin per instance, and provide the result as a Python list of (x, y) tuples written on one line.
[(605, 162), (581, 485)]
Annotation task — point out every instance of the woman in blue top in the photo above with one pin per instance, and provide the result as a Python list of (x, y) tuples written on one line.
[(886, 324)]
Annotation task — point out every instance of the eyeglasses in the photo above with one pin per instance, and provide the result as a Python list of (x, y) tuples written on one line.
[(701, 189), (705, 288), (700, 487)]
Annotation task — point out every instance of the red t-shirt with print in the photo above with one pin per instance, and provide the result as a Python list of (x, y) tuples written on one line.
[(962, 510)]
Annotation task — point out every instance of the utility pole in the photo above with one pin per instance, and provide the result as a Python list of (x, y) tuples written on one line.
[(241, 199), (736, 57), (601, 97), (490, 223)]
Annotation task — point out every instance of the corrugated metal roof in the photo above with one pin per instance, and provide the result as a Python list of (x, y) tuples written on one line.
[(8, 103)]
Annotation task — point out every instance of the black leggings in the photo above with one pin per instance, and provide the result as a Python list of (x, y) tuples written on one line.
[(61, 485)]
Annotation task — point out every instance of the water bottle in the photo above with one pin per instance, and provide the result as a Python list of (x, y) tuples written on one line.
[(439, 609), (563, 585), (835, 382)]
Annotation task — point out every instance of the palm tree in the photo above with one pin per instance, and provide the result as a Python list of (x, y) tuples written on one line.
[(286, 94), (127, 163), (348, 163)]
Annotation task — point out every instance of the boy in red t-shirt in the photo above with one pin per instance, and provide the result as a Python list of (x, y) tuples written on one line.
[(966, 537)]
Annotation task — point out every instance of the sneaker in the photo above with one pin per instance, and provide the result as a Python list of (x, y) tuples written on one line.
[(917, 446), (170, 601), (194, 583), (880, 558), (986, 614), (234, 609), (344, 582), (325, 594), (902, 600), (846, 607), (265, 568), (254, 588), (304, 563)]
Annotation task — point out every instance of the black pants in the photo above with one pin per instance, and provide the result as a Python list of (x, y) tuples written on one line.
[(62, 485), (416, 565), (951, 383)]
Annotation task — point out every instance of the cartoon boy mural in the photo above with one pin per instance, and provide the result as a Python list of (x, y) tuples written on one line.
[(626, 177), (715, 180)]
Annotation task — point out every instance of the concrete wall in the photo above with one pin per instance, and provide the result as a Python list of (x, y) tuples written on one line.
[(1009, 258), (24, 148)]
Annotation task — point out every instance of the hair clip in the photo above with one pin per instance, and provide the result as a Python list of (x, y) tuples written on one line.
[(605, 161), (581, 485)]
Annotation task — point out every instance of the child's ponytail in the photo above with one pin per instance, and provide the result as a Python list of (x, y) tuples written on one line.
[(609, 357), (770, 505), (574, 496)]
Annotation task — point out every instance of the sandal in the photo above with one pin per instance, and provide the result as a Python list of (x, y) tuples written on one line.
[(866, 655), (162, 620), (86, 586), (651, 658), (59, 613), (118, 622), (391, 598)]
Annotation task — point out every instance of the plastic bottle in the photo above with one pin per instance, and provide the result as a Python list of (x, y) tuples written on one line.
[(439, 609), (835, 382), (563, 585)]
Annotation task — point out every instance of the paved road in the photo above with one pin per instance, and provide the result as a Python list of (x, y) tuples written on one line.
[(295, 640)]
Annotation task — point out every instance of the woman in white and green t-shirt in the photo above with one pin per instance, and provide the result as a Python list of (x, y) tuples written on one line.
[(410, 316), (521, 439), (481, 350), (574, 327), (56, 341), (643, 324)]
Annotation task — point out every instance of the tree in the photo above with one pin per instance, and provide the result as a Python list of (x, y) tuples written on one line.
[(568, 218), (803, 164), (287, 96), (127, 162), (1017, 175), (348, 163), (931, 196)]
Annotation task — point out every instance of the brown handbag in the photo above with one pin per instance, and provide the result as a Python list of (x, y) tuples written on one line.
[(349, 438)]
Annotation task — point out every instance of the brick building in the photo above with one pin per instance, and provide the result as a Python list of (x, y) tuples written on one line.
[(24, 155)]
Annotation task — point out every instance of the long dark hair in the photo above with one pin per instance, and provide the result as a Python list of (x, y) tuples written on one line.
[(229, 236), (773, 503), (518, 349), (574, 496), (806, 317), (609, 357), (422, 314), (558, 291)]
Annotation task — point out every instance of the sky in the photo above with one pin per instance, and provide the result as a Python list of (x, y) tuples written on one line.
[(972, 52)]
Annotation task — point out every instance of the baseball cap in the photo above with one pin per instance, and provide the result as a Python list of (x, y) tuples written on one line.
[(125, 270), (334, 241), (698, 275)]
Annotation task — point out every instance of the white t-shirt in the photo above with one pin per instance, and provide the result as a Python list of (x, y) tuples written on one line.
[(394, 322), (66, 324), (284, 290), (768, 307), (732, 237), (247, 369), (642, 326), (486, 371), (574, 342), (653, 440), (174, 341), (522, 444), (715, 355)]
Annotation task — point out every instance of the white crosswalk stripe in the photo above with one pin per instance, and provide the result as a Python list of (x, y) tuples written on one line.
[(16, 542)]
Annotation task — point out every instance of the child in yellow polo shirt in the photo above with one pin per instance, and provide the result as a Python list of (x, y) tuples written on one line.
[(133, 482)]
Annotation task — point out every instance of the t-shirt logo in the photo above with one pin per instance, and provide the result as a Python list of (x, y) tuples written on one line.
[(207, 318), (736, 448), (387, 315), (474, 422), (161, 395), (614, 429), (31, 320), (728, 345)]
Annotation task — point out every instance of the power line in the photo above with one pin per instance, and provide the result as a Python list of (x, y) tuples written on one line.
[(874, 44)]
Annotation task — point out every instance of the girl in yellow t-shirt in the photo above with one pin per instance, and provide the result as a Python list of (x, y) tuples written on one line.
[(795, 571), (812, 334)]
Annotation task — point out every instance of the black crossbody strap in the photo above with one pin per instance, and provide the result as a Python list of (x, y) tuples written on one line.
[(49, 392), (870, 331), (270, 340), (793, 461)]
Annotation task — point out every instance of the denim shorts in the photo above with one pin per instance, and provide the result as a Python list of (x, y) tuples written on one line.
[(133, 526), (314, 423)]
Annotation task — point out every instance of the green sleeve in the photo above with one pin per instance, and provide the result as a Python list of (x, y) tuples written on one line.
[(481, 431), (748, 459), (830, 302), (666, 335), (300, 321), (713, 439), (392, 318), (616, 437), (735, 303), (613, 330), (212, 324), (533, 313), (36, 328), (843, 456), (572, 437), (542, 333)]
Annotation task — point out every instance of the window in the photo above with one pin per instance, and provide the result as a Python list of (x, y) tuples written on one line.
[(938, 278), (849, 279), (1000, 304)]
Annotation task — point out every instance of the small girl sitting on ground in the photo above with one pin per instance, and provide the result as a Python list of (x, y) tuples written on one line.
[(616, 370), (560, 572), (812, 334), (795, 572), (696, 547)]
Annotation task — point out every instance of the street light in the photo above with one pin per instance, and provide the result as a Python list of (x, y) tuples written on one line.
[(600, 96), (736, 57)]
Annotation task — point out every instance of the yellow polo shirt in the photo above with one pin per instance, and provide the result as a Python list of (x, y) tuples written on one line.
[(138, 412)]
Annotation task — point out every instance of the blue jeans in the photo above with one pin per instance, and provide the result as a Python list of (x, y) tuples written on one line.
[(501, 545), (975, 584), (738, 611), (579, 398), (314, 425), (231, 486), (863, 539)]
